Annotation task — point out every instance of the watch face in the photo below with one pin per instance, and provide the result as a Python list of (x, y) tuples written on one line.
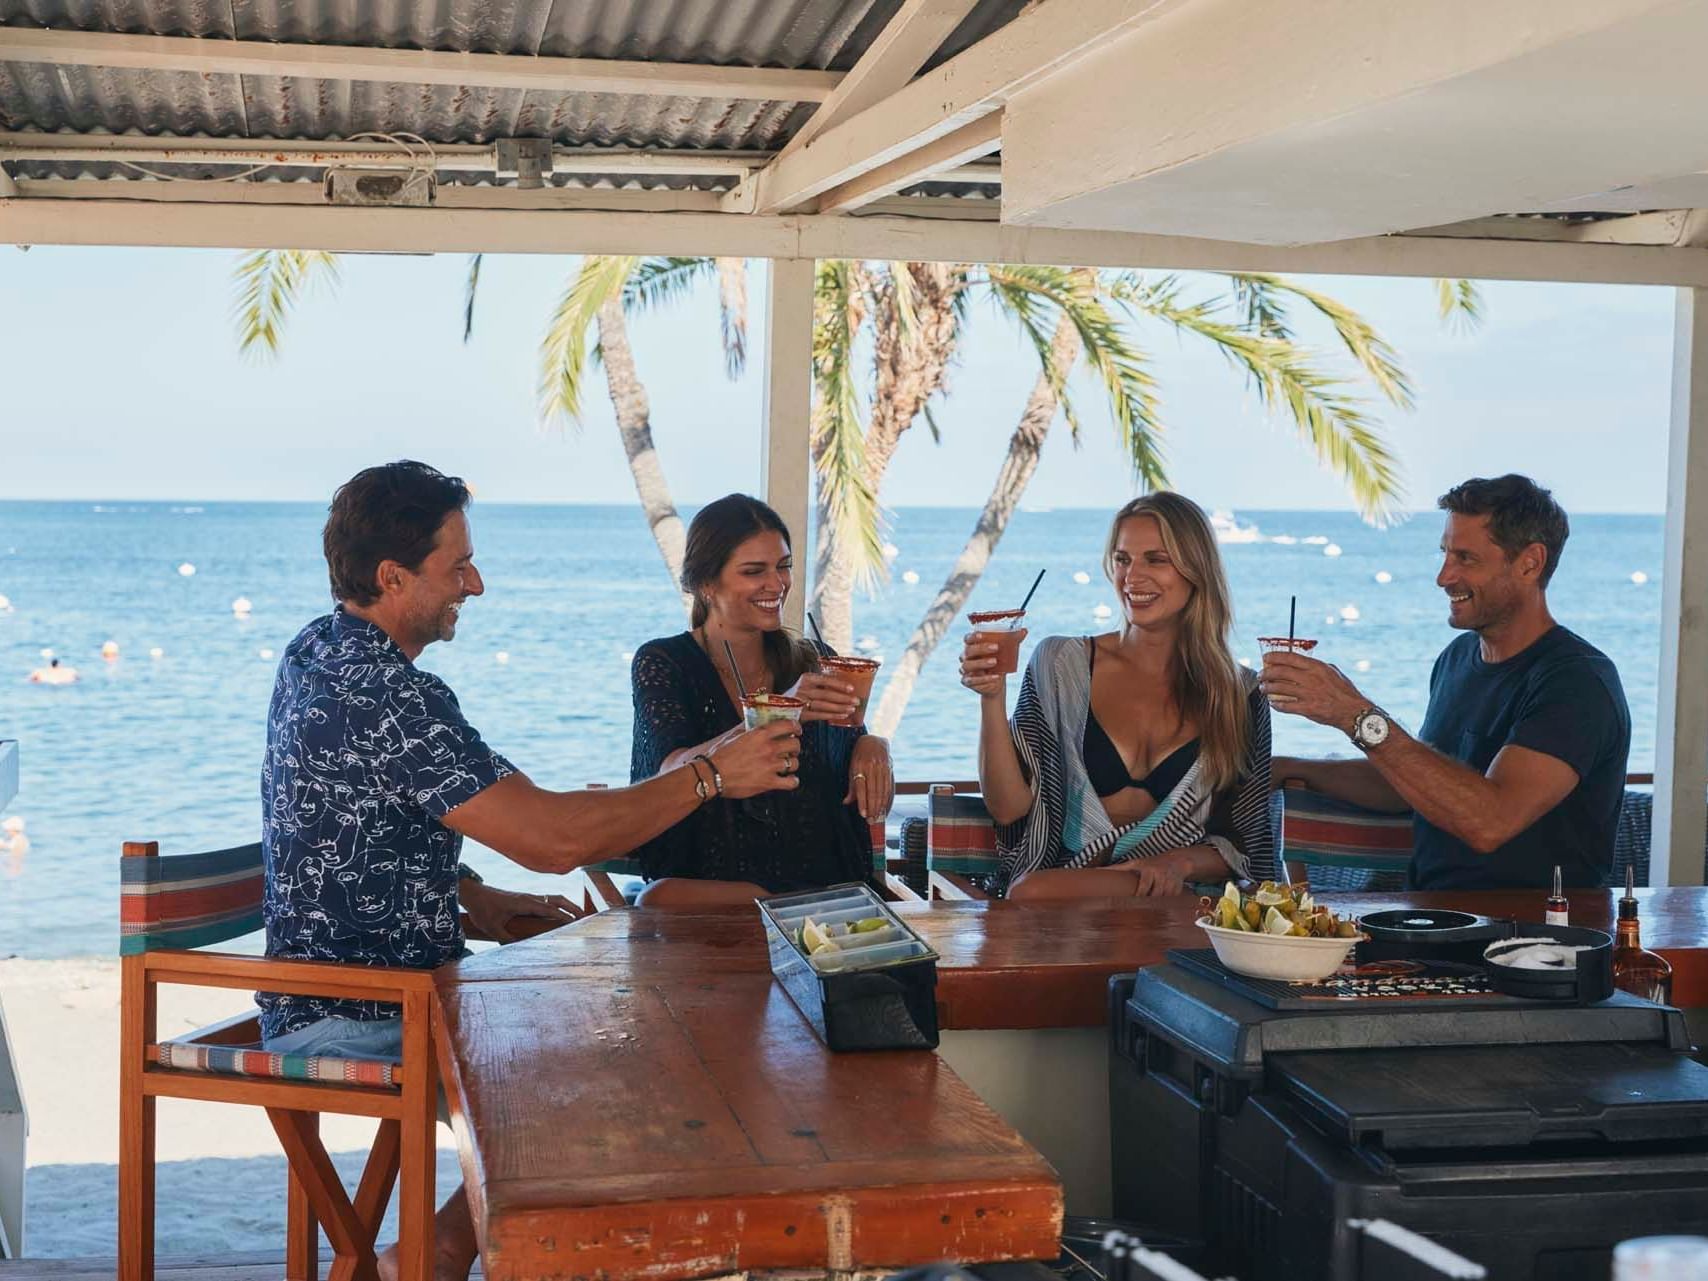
[(1372, 729)]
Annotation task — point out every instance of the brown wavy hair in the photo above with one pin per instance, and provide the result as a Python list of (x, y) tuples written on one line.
[(1208, 687), (716, 531)]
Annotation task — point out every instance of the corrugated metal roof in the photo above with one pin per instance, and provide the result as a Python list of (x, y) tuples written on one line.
[(824, 34)]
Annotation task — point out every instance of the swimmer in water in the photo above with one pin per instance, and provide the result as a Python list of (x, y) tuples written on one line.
[(54, 674)]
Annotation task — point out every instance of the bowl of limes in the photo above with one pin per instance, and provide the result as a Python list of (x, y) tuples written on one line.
[(1277, 931)]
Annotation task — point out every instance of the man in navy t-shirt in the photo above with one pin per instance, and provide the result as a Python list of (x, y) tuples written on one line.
[(1520, 764)]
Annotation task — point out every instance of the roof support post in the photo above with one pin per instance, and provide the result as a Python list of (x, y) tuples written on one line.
[(786, 443), (1681, 725)]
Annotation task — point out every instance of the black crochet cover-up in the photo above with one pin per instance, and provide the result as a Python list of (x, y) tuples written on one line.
[(785, 841)]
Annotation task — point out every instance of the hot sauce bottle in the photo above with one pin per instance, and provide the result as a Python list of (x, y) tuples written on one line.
[(1556, 911)]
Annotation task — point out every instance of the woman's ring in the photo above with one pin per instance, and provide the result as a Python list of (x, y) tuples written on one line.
[(859, 777), (807, 707)]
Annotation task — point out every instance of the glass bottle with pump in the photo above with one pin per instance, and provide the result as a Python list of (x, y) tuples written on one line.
[(1636, 969)]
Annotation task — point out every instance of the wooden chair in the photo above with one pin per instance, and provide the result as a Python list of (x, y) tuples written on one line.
[(1336, 845), (960, 843), (168, 908)]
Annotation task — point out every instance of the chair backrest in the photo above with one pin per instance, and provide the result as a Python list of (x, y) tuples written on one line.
[(1319, 831), (960, 835), (187, 900)]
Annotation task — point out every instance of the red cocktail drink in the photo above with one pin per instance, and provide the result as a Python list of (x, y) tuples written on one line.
[(858, 672), (1286, 644), (1001, 627), (762, 709)]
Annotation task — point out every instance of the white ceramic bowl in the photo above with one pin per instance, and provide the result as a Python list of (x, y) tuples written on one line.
[(1276, 956)]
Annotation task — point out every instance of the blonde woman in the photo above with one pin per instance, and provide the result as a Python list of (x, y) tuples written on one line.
[(1136, 762)]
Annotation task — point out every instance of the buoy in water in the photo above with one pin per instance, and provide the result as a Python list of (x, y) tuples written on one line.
[(1638, 578), (1286, 540), (1333, 549), (1316, 540), (110, 650), (1362, 665), (187, 570), (266, 653), (1081, 577), (866, 644), (891, 551), (46, 653), (242, 606), (910, 577), (628, 656), (157, 652), (5, 605), (1349, 614), (1245, 662), (1102, 611), (501, 657), (1383, 576)]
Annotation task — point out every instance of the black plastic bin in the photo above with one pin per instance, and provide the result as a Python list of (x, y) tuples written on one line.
[(1528, 1137)]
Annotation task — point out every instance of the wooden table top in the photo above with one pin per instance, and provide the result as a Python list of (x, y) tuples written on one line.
[(1020, 965), (635, 1096), (689, 1125)]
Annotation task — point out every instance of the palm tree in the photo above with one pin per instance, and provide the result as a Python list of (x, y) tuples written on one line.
[(916, 312), (603, 292)]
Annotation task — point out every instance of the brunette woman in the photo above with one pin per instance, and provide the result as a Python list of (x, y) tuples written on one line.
[(738, 568)]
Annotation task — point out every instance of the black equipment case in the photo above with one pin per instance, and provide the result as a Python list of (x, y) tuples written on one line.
[(1257, 1118)]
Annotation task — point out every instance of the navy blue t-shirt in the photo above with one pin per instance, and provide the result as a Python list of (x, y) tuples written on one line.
[(365, 754), (1561, 697)]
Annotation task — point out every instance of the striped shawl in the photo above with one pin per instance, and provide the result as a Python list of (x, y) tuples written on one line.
[(1067, 825)]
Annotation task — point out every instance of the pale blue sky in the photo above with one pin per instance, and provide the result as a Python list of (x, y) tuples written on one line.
[(123, 380)]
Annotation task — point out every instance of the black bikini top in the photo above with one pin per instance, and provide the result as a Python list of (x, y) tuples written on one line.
[(1108, 772)]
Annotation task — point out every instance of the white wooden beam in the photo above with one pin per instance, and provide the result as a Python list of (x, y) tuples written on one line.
[(101, 220), (411, 66), (916, 32), (309, 195), (786, 444), (972, 84), (93, 148), (969, 142), (1681, 721), (1664, 227)]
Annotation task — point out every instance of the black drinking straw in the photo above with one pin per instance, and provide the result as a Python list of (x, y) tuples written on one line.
[(1028, 600), (1292, 617), (813, 623), (735, 671)]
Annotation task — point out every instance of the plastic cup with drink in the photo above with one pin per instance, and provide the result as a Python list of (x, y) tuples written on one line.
[(761, 709), (858, 672), (1000, 627)]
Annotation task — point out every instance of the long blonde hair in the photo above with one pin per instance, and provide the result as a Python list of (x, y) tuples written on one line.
[(1208, 687)]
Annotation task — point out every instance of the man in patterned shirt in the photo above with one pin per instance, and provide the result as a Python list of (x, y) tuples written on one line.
[(372, 777)]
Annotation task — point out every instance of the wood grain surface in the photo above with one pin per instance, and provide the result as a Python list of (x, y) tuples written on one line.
[(681, 1127)]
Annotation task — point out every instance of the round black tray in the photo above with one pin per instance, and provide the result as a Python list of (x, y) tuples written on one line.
[(1591, 980), (1428, 933)]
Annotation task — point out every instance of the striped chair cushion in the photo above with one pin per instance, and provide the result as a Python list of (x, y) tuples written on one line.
[(960, 836), (1321, 831), (189, 900), (241, 1061)]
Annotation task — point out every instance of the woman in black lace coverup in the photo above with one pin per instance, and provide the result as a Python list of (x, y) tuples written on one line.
[(739, 570)]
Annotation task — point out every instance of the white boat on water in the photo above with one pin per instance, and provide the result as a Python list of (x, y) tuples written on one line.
[(1229, 530)]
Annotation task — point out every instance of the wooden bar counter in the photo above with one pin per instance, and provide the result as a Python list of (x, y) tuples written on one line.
[(634, 1096)]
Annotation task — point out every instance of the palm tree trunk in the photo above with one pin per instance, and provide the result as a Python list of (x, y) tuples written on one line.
[(911, 364), (1018, 465), (634, 423)]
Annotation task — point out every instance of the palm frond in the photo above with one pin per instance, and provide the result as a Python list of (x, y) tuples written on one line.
[(1460, 303), (1262, 315), (732, 313), (1374, 354), (269, 282), (563, 352), (1329, 418), (1106, 347), (904, 292), (838, 438), (656, 281), (470, 286)]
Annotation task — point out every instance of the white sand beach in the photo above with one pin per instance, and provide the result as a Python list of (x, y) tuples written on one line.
[(221, 1182)]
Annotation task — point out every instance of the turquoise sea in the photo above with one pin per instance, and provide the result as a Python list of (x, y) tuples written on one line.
[(169, 747)]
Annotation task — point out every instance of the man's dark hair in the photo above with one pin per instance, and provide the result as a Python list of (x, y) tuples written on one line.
[(1520, 512), (385, 513)]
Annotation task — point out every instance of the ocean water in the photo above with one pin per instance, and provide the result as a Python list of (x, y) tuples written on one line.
[(168, 748)]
